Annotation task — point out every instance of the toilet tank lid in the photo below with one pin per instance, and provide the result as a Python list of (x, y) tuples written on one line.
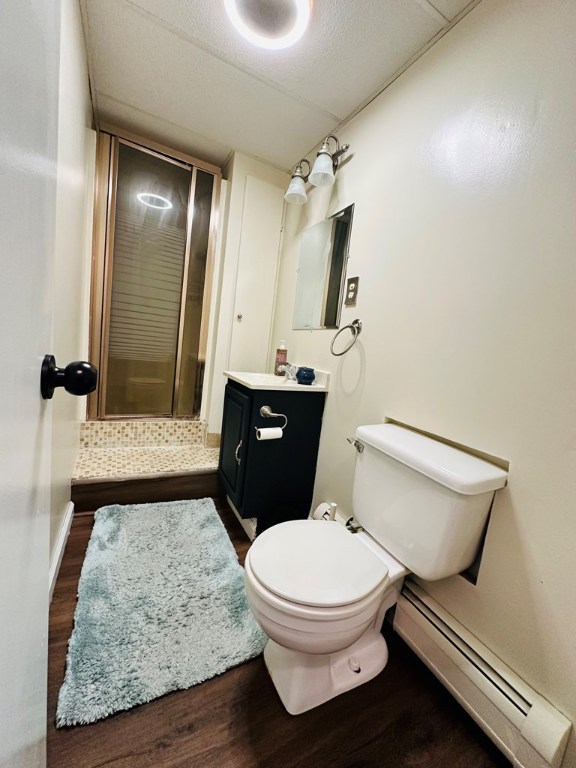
[(451, 467)]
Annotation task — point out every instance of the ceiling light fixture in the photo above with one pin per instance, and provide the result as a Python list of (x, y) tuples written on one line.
[(159, 202), (322, 174), (298, 11)]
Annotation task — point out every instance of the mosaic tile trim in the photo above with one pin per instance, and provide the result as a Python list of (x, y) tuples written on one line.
[(212, 440), (145, 432), (138, 461)]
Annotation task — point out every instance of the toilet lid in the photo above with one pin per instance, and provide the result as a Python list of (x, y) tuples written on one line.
[(315, 562)]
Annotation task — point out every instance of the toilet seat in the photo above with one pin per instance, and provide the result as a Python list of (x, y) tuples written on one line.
[(307, 617), (315, 564)]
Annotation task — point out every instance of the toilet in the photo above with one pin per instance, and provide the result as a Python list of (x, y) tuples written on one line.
[(320, 592)]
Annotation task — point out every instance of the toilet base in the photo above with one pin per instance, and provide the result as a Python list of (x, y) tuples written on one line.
[(305, 680)]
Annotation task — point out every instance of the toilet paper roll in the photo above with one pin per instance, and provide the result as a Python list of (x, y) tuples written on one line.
[(269, 433)]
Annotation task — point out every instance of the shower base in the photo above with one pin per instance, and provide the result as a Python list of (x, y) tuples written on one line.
[(135, 462), (143, 461), (144, 448)]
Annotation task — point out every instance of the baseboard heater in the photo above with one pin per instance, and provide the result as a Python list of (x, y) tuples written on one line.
[(522, 724)]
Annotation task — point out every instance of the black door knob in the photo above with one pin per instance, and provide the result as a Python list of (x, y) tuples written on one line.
[(78, 378)]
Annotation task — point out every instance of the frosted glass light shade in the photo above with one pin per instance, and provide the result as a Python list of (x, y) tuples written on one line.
[(296, 192), (322, 173)]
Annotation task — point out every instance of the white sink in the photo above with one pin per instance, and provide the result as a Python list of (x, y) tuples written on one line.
[(270, 381)]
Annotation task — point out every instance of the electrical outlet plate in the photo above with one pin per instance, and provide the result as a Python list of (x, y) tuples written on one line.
[(351, 291)]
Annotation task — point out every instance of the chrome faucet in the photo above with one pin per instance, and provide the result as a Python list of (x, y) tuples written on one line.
[(290, 371)]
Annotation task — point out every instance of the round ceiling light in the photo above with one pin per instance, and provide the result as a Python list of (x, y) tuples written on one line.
[(154, 201), (269, 23)]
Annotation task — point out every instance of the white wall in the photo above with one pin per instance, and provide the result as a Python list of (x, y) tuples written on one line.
[(463, 173), (75, 173)]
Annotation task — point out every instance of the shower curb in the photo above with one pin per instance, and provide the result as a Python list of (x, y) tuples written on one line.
[(90, 493)]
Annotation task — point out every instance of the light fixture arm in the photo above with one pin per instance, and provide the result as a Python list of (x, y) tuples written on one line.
[(299, 172), (337, 154), (296, 192)]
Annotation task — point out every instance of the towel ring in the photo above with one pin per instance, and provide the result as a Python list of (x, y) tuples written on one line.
[(356, 328)]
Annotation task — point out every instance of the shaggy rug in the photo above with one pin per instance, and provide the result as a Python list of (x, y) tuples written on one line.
[(161, 607)]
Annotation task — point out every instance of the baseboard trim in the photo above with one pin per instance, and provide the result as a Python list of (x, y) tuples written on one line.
[(212, 440), (248, 523), (59, 548)]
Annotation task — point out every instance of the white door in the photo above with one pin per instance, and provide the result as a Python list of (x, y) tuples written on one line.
[(29, 60), (257, 271)]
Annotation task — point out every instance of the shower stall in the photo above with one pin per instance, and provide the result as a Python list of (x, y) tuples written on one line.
[(154, 231)]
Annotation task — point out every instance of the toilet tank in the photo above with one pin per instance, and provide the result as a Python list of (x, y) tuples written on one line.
[(425, 502)]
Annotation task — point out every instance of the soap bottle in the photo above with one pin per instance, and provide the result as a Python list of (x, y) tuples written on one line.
[(281, 359)]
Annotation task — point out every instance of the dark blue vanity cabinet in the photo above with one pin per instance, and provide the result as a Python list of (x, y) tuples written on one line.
[(270, 480)]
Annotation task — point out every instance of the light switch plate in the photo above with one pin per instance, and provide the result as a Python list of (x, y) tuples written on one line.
[(351, 291)]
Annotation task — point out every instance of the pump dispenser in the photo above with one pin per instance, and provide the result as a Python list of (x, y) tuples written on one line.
[(281, 359)]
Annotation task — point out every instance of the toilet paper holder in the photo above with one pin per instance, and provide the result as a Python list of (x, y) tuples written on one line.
[(267, 413)]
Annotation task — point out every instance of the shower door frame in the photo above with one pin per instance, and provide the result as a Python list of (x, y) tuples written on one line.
[(109, 140)]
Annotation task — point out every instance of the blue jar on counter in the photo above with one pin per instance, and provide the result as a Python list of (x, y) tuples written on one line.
[(305, 375)]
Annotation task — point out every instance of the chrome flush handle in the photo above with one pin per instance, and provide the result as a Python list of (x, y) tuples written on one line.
[(356, 443), (238, 459)]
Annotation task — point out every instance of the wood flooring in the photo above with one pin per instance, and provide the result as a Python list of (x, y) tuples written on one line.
[(402, 719)]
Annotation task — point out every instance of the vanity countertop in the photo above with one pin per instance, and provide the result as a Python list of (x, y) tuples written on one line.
[(270, 381)]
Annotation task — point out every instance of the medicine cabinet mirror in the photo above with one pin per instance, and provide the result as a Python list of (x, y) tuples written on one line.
[(321, 273)]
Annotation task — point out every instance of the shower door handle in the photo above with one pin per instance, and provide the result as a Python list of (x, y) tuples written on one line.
[(78, 378)]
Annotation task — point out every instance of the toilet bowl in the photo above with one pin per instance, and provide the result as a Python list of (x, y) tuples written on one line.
[(321, 598), (320, 592)]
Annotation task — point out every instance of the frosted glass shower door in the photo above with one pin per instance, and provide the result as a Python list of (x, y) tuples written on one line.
[(150, 234)]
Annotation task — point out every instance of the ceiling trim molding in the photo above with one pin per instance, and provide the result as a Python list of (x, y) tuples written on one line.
[(400, 71), (431, 9), (89, 63)]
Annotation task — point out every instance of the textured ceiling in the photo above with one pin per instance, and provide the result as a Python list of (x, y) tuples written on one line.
[(176, 71)]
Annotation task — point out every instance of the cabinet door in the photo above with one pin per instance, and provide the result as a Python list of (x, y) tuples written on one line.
[(234, 443), (279, 479)]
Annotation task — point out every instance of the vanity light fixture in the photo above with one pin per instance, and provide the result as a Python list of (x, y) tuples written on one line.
[(322, 174), (326, 163), (296, 192)]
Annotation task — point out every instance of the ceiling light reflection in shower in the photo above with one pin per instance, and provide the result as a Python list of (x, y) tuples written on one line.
[(154, 201), (272, 24)]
